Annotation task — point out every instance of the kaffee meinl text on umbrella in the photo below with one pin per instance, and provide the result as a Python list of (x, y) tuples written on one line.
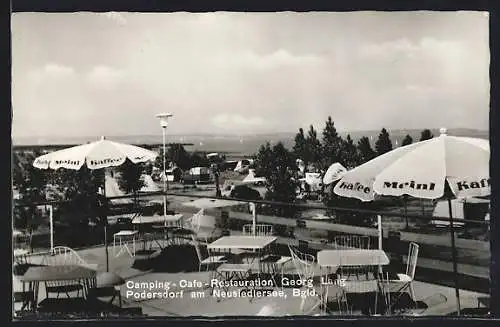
[(355, 187), (461, 185), (106, 161), (411, 184), (465, 185)]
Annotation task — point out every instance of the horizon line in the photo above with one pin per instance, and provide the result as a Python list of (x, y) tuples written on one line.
[(246, 134)]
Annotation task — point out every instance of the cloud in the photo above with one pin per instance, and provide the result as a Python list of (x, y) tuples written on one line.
[(105, 76), (116, 17), (252, 72), (50, 72), (58, 70), (277, 59)]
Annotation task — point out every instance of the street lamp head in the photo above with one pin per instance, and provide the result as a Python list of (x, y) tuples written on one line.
[(163, 117)]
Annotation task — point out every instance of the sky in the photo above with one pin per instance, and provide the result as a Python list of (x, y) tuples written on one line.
[(81, 74)]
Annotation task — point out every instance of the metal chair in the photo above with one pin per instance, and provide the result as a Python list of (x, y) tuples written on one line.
[(61, 256), (208, 260), (404, 281), (202, 226), (346, 242), (306, 268), (260, 230)]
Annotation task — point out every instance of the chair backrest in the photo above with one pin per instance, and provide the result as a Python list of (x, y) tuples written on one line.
[(260, 230), (411, 265), (302, 262), (352, 242), (193, 223), (63, 255)]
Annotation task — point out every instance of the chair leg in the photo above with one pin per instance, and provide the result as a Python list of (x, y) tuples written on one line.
[(412, 294), (302, 303)]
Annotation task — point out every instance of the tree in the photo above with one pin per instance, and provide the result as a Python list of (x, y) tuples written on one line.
[(383, 143), (80, 188), (278, 166), (30, 182), (179, 156), (313, 146), (130, 178), (349, 157), (197, 160), (426, 135), (366, 152), (332, 144), (300, 149), (407, 140), (175, 153)]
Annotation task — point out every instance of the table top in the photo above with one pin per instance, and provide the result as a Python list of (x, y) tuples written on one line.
[(233, 267), (242, 242), (354, 257), (156, 219), (126, 233), (56, 273)]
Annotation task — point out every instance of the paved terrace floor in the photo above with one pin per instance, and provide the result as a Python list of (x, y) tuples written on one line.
[(123, 265)]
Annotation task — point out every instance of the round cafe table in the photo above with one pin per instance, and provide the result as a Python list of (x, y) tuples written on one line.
[(35, 275)]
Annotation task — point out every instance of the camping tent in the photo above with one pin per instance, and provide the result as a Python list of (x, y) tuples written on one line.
[(314, 181), (441, 210), (113, 189), (468, 209), (252, 179), (149, 184), (243, 166)]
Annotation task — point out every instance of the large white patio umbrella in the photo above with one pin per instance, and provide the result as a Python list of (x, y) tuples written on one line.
[(95, 155), (425, 170)]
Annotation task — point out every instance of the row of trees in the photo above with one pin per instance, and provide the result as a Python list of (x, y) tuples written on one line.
[(333, 148), (278, 165)]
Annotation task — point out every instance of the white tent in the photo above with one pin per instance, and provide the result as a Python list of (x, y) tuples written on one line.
[(243, 165), (313, 180), (441, 210), (252, 179), (149, 184), (113, 189)]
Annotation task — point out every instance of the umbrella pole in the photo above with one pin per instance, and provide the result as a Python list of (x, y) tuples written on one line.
[(254, 218), (454, 257), (406, 212), (380, 236), (105, 212)]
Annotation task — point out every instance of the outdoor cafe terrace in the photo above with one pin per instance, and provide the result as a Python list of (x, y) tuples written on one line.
[(160, 270)]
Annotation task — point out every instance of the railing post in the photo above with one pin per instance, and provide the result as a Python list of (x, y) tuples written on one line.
[(51, 221), (380, 237)]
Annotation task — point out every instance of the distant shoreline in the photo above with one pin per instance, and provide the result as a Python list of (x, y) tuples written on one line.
[(195, 138)]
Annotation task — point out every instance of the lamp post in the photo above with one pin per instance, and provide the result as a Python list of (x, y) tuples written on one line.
[(163, 117)]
